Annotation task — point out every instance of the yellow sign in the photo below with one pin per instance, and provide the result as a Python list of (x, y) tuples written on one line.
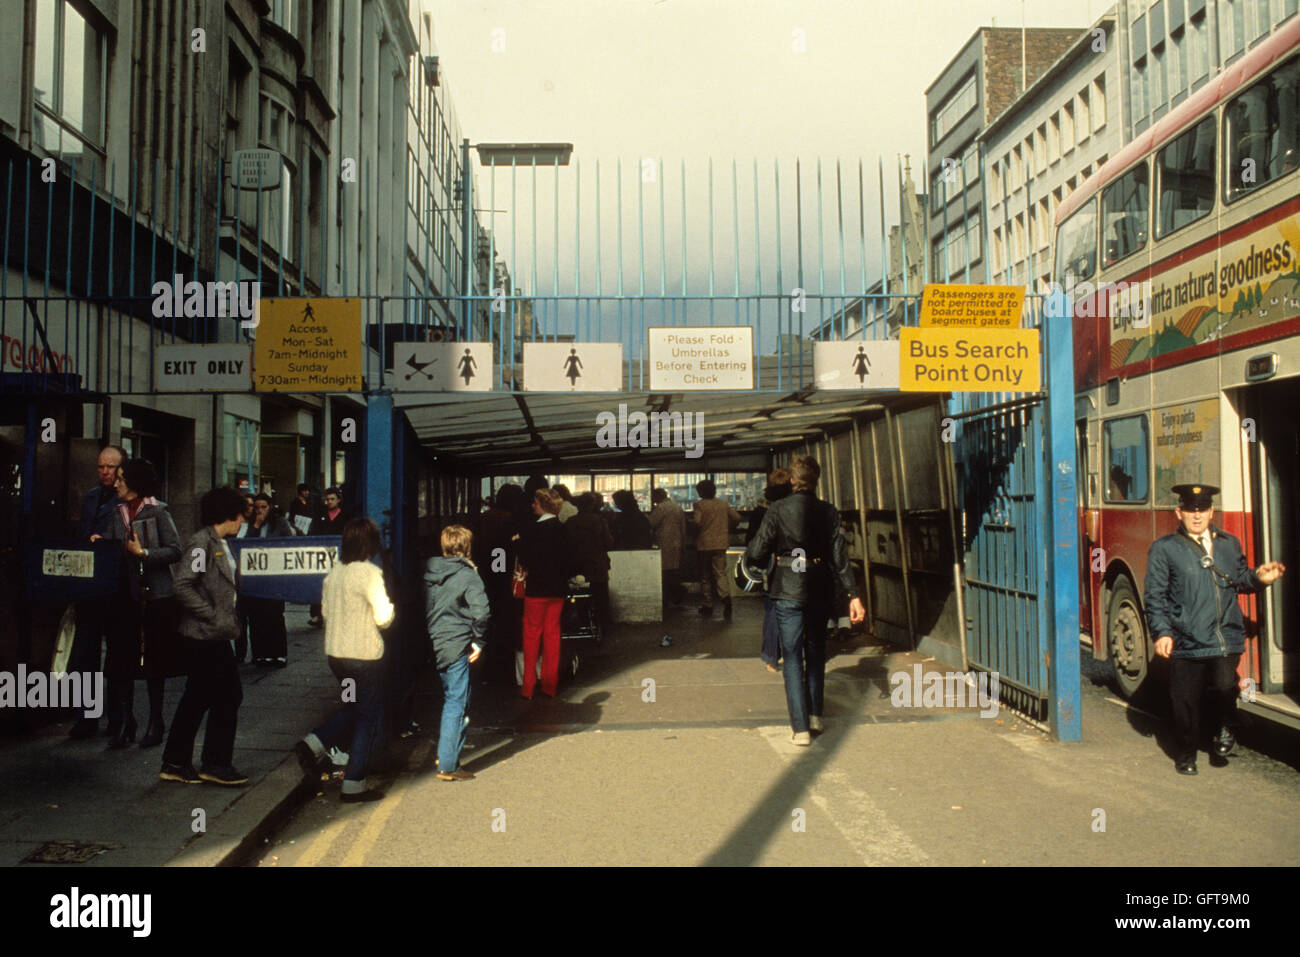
[(308, 345), (969, 360), (950, 306)]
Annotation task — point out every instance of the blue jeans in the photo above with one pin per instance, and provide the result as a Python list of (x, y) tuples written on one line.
[(802, 630), (455, 695), (355, 726), (771, 650)]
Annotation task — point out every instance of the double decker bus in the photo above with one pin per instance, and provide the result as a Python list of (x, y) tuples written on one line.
[(1182, 259)]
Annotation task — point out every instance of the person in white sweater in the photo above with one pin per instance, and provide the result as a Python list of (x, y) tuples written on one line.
[(355, 606)]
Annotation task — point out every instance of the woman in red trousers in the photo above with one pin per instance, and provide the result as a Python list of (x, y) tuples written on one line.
[(547, 558)]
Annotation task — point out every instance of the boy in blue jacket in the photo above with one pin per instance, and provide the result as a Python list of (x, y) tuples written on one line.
[(456, 613)]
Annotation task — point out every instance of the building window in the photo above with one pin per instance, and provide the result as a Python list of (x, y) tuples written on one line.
[(276, 120), (999, 253), (1185, 178), (1232, 27), (974, 234), (1199, 49), (1138, 88), (995, 182), (1262, 132), (71, 76), (970, 166), (1053, 139), (951, 113), (1067, 128), (284, 13), (1017, 170), (1098, 103), (1178, 78), (1127, 445), (1084, 124), (1263, 20), (1124, 215), (1159, 98), (1040, 150)]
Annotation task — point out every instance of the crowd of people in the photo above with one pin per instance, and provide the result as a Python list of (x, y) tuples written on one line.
[(498, 592)]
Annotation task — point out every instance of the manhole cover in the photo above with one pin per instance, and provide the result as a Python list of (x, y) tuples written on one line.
[(67, 852)]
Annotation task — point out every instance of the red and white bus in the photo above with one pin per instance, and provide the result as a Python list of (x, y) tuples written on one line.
[(1182, 255)]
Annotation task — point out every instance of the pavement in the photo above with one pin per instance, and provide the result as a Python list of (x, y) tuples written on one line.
[(671, 755)]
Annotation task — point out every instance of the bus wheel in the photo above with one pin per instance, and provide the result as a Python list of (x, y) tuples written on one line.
[(1127, 638)]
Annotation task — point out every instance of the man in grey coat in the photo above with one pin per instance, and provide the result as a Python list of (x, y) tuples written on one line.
[(205, 588)]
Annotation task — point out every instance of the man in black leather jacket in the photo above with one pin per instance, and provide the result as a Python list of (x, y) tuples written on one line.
[(810, 575)]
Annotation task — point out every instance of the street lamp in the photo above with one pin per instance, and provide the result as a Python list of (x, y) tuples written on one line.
[(495, 154)]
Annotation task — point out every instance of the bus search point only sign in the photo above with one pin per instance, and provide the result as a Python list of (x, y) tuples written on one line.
[(308, 345), (951, 305), (969, 360)]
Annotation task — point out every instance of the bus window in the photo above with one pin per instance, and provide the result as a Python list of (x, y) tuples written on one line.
[(1124, 215), (1261, 132), (1076, 246), (1127, 446), (1185, 171)]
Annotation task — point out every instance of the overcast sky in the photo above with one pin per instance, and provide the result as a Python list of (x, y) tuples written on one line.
[(693, 79)]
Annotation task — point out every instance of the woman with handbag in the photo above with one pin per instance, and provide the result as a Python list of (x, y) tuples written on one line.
[(547, 559), (142, 623), (268, 636)]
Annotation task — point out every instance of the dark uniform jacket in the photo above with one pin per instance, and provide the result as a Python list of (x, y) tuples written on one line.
[(803, 521), (1195, 605)]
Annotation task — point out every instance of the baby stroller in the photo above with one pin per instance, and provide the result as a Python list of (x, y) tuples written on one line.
[(579, 624)]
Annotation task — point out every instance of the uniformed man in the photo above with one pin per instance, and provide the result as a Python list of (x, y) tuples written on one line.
[(1193, 578)]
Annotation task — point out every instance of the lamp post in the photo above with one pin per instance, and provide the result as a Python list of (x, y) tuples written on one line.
[(494, 154)]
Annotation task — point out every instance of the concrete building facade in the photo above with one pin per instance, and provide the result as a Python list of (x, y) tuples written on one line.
[(1043, 146), (993, 68)]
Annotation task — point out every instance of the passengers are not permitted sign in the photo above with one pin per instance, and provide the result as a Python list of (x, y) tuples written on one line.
[(308, 345), (969, 360), (573, 366), (686, 358), (951, 305)]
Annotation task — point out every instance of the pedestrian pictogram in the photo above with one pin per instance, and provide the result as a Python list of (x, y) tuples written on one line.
[(573, 366), (466, 367), (856, 364), (861, 365)]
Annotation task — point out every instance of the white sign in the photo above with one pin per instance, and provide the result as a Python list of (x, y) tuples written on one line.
[(573, 366), (684, 358), (57, 563), (856, 364), (218, 367), (441, 367), (279, 561), (254, 167)]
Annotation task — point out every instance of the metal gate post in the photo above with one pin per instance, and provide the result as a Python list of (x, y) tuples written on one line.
[(1063, 557), (379, 470)]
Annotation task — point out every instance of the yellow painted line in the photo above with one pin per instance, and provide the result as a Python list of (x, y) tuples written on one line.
[(322, 842), (378, 820)]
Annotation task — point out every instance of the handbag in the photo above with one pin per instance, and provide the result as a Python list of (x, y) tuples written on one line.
[(519, 581)]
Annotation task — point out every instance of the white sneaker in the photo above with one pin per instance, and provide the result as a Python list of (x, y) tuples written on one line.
[(801, 739), (339, 758), (815, 723)]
